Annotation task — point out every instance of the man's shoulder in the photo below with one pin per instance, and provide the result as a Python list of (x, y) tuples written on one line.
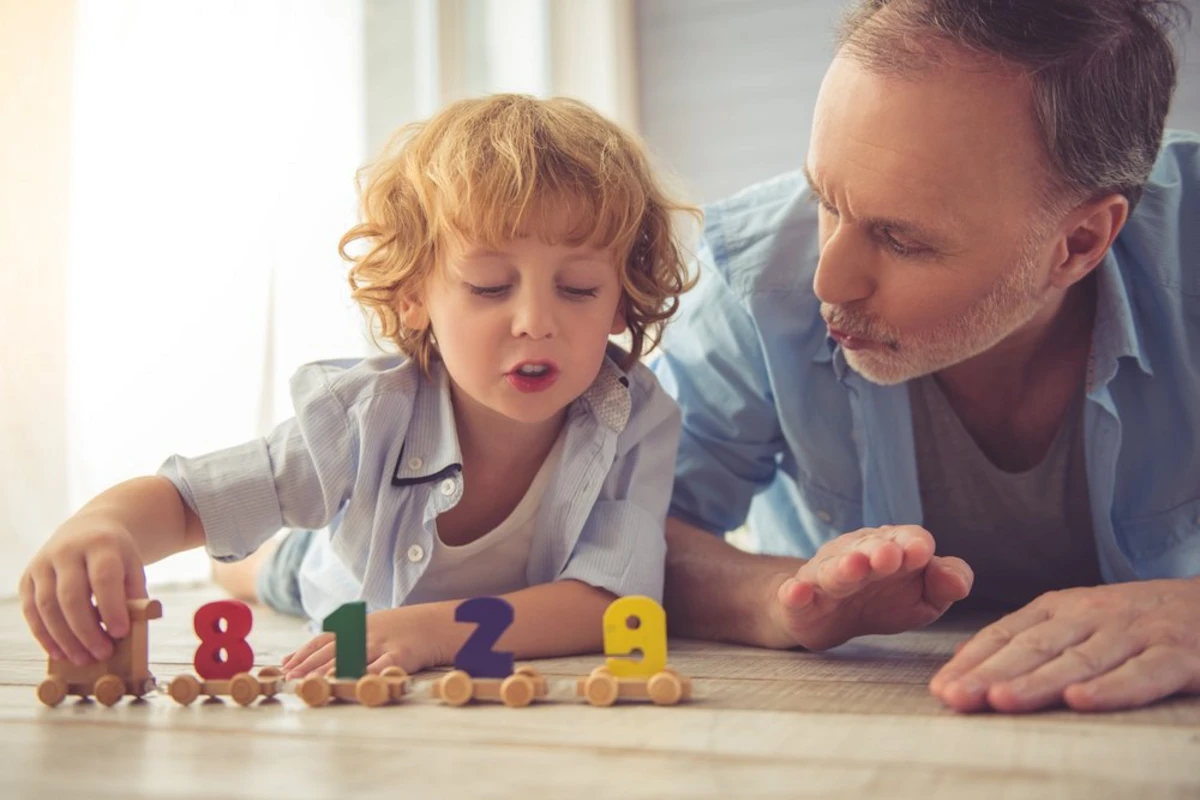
[(1160, 244), (765, 236)]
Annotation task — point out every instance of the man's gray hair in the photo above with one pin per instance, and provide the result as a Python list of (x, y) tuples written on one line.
[(1102, 72)]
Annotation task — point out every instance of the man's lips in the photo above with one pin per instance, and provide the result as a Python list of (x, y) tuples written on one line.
[(852, 342)]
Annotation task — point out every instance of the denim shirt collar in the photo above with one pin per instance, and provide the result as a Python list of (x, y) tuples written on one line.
[(1115, 334), (431, 450)]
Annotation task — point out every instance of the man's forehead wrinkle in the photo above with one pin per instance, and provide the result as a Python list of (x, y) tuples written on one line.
[(937, 217)]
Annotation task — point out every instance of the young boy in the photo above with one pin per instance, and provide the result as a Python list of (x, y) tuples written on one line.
[(509, 450)]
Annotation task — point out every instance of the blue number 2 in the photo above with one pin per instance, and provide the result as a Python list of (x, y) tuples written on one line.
[(476, 657)]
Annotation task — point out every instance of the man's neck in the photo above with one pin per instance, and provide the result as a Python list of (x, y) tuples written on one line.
[(1053, 341), (1013, 398)]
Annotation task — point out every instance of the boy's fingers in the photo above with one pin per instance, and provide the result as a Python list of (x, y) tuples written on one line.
[(75, 599), (34, 619), (135, 580), (316, 660), (106, 574), (46, 599)]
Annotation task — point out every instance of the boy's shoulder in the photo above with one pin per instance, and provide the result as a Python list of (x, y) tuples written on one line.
[(353, 381)]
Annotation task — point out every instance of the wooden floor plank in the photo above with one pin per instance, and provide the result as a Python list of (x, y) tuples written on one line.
[(855, 722)]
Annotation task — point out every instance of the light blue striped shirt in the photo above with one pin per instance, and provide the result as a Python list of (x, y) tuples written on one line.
[(778, 430), (373, 453)]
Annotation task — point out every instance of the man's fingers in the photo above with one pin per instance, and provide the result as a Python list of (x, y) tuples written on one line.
[(917, 544), (886, 557), (947, 580), (1077, 663), (1023, 653), (1156, 673), (106, 574), (843, 575), (987, 643), (796, 595)]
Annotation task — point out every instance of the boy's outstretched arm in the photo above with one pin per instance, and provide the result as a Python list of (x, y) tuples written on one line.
[(551, 619), (101, 552)]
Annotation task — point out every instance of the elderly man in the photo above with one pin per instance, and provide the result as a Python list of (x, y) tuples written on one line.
[(972, 321)]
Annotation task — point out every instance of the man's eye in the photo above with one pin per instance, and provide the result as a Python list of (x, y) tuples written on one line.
[(824, 206), (901, 249), (489, 291)]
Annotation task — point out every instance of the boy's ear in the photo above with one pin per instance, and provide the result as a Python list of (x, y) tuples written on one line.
[(619, 325), (413, 314)]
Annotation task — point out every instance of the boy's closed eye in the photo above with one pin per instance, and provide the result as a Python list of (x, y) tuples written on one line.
[(502, 290)]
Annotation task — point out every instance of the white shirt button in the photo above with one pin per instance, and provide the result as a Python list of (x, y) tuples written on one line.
[(824, 516), (415, 462), (416, 553), (448, 486)]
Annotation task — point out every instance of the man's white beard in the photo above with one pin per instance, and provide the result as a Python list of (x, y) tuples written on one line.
[(1010, 304)]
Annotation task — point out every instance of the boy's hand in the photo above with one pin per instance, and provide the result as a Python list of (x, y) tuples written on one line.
[(88, 557), (405, 637), (874, 580)]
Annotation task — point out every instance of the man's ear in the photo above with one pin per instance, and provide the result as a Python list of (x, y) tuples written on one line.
[(413, 314), (1091, 230)]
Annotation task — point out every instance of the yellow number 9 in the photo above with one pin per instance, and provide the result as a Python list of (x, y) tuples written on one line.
[(635, 623)]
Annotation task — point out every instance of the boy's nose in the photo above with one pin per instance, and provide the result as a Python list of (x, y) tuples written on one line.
[(534, 318)]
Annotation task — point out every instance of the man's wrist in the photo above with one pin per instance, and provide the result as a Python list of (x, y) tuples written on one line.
[(771, 630)]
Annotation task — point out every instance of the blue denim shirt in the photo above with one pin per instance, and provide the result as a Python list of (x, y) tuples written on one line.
[(777, 430), (373, 450)]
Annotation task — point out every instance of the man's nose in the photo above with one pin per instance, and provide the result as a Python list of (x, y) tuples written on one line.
[(845, 270)]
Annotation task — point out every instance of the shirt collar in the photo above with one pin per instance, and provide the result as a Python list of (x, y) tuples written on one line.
[(608, 398), (431, 450), (1115, 333)]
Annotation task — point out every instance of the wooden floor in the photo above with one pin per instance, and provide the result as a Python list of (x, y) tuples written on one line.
[(857, 722)]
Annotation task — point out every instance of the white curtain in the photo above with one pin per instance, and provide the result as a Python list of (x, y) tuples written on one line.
[(214, 152)]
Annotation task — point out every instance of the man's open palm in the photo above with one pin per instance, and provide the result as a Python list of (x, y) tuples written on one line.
[(874, 580)]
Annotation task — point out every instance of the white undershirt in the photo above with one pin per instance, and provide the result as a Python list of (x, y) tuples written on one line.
[(495, 563)]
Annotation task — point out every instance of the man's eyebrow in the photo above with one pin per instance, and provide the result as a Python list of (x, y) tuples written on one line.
[(903, 227)]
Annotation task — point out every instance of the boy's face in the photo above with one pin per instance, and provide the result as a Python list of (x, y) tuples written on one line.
[(522, 329)]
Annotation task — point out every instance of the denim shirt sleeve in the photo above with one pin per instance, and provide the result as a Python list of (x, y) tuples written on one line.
[(622, 547), (712, 364), (297, 476)]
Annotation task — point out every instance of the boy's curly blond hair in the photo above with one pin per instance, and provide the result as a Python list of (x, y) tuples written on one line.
[(482, 169)]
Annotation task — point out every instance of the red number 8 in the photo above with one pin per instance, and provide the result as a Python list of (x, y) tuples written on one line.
[(238, 656)]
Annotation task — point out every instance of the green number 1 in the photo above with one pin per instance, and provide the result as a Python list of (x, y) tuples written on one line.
[(349, 626)]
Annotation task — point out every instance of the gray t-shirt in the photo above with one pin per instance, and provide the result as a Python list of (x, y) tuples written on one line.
[(1022, 533)]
